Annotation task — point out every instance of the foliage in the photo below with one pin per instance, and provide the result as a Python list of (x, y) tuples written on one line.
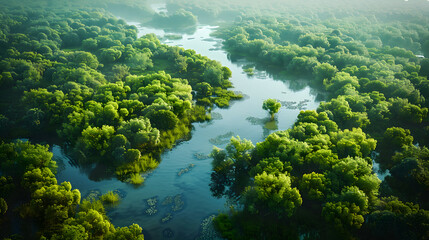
[(84, 75), (110, 197), (21, 157), (275, 193), (76, 72), (272, 106), (55, 209), (376, 89), (136, 179)]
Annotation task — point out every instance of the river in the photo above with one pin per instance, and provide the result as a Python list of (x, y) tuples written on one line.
[(175, 198)]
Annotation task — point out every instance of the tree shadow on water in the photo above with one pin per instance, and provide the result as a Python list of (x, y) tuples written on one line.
[(268, 125)]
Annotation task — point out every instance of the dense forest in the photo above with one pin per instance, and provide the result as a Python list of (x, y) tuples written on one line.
[(315, 179), (83, 78), (74, 74)]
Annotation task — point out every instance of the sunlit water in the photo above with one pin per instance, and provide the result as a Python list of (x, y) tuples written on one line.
[(245, 118)]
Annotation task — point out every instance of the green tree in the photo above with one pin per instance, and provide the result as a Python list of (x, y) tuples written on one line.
[(354, 172), (406, 112), (315, 185), (324, 71), (110, 55), (396, 220), (273, 193), (139, 132), (71, 232), (54, 204), (203, 90), (133, 232), (20, 157), (38, 178), (90, 44), (213, 74), (343, 215), (86, 58), (353, 143), (396, 138), (140, 60), (340, 80), (98, 139), (272, 106), (271, 165), (95, 223), (163, 119)]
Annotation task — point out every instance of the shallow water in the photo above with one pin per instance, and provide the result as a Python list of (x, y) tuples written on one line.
[(175, 176)]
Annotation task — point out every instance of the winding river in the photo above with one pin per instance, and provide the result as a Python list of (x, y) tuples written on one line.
[(175, 201)]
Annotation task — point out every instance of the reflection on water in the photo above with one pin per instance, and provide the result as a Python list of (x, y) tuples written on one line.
[(268, 126), (196, 203), (301, 105), (222, 139), (207, 230), (201, 156)]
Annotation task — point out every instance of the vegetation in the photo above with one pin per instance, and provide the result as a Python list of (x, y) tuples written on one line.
[(72, 72), (110, 197), (116, 100), (316, 179), (272, 106), (136, 179), (35, 198)]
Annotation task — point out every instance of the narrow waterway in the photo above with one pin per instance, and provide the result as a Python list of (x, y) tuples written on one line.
[(175, 198)]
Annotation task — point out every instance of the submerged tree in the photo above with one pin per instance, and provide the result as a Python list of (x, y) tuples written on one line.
[(272, 106)]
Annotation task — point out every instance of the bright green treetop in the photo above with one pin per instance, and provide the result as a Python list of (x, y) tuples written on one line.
[(272, 106)]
